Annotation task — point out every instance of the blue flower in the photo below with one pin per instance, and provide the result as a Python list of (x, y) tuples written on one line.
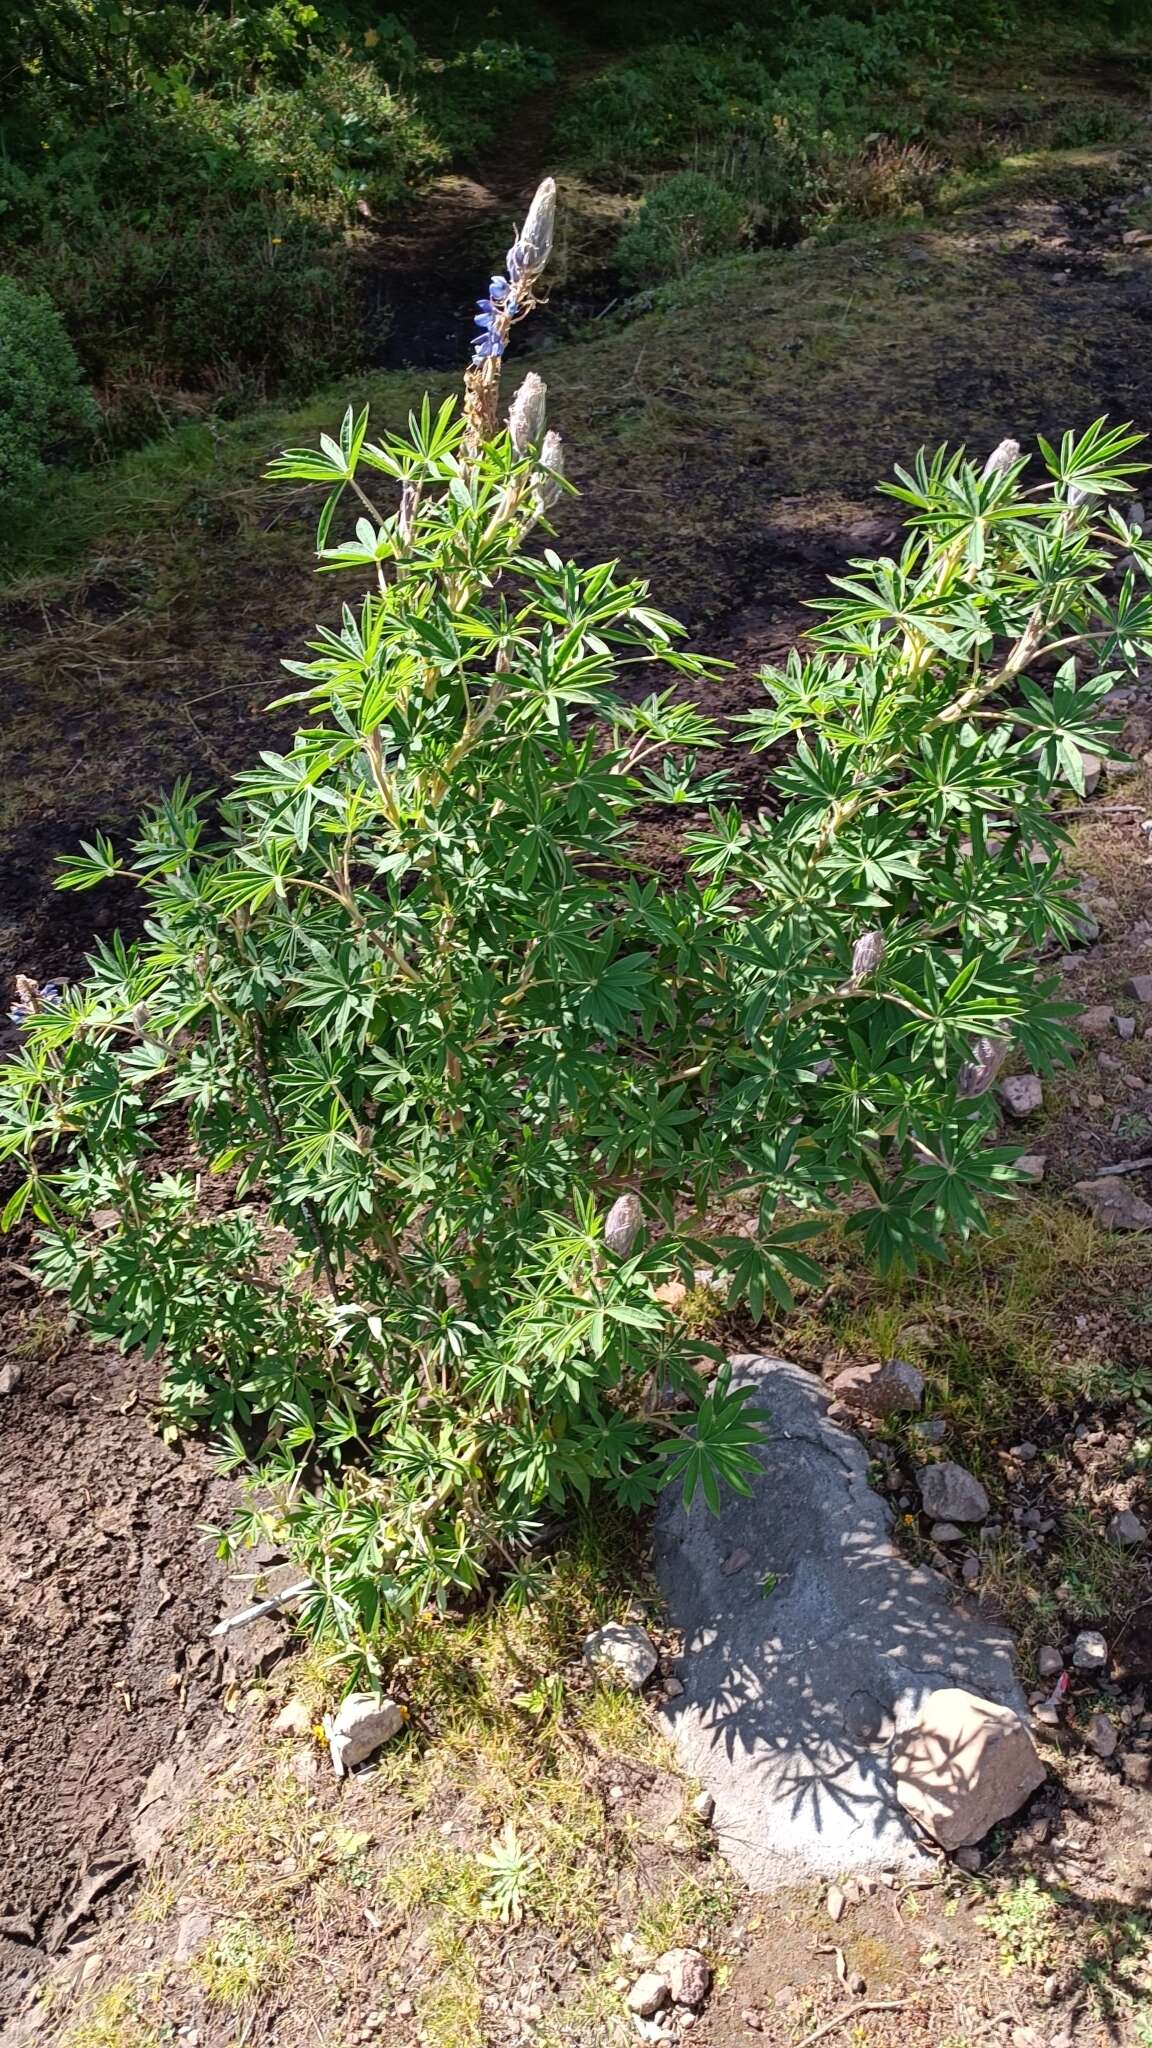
[(38, 998)]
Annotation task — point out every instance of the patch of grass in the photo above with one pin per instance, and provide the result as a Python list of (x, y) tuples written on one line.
[(242, 1963), (450, 2011), (691, 1912), (620, 1724), (115, 2020)]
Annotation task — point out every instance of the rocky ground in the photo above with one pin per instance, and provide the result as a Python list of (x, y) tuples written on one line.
[(727, 440)]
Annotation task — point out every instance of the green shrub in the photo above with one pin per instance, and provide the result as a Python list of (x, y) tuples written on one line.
[(45, 409), (686, 220), (455, 1084)]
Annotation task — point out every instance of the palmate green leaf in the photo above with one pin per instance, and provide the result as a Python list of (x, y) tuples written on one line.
[(721, 1452)]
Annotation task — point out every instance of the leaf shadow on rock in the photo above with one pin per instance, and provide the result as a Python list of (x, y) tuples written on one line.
[(800, 1666)]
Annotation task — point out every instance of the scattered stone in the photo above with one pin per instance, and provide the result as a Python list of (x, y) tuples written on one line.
[(360, 1726), (834, 1902), (1085, 926), (673, 1687), (1046, 1714), (11, 1375), (1049, 1662), (1101, 1736), (648, 1994), (192, 1932), (622, 1224), (970, 1569), (886, 1388), (1032, 1166), (946, 1532), (1140, 987), (1096, 1022), (704, 1806), (951, 1494), (1025, 1454), (63, 1396), (686, 1974), (1127, 1530), (293, 1719), (1113, 1204), (963, 1765), (769, 1722), (1092, 768), (1022, 1095), (1136, 1769), (624, 1649), (969, 1859), (1090, 1651), (1125, 1027)]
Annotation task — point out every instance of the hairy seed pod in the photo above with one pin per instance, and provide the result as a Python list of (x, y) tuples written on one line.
[(526, 414), (1002, 457), (867, 954), (533, 245), (978, 1073), (552, 466), (622, 1224)]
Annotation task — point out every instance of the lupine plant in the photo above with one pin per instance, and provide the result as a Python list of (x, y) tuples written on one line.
[(420, 1090)]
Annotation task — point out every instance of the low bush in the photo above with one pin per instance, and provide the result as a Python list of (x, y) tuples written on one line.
[(685, 220), (45, 408), (390, 1131)]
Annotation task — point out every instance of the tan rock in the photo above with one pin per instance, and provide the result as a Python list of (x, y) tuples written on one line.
[(964, 1764), (881, 1389)]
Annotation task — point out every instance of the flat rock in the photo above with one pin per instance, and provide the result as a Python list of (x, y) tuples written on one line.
[(362, 1724), (648, 1994), (951, 1493), (1022, 1095), (791, 1696), (1127, 1530), (1101, 1735), (623, 1649), (1096, 1022), (1140, 988), (886, 1388), (964, 1764), (1113, 1204)]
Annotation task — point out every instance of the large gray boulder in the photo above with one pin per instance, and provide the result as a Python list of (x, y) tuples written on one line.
[(800, 1668)]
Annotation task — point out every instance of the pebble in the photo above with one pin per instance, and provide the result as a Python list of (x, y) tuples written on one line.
[(1127, 1530), (1101, 1735), (1126, 1027), (1025, 1454), (1090, 1651), (969, 1859), (360, 1726), (1136, 1769), (1096, 1022), (1140, 987), (648, 1994), (11, 1375), (970, 1569), (625, 1649), (622, 1224), (1022, 1095), (932, 1430), (686, 1974), (1032, 1166), (1049, 1662), (946, 1532), (952, 1494), (834, 1902), (1048, 1717), (704, 1806)]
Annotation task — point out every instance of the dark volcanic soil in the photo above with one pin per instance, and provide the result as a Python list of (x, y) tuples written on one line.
[(107, 1592)]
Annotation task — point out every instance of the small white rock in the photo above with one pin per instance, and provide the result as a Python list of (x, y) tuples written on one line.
[(648, 1994), (624, 1649), (1022, 1095), (361, 1725), (1090, 1651)]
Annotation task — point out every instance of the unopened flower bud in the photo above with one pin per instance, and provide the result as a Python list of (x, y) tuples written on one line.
[(978, 1073), (552, 467), (1002, 457), (533, 245), (867, 954), (622, 1224), (526, 414)]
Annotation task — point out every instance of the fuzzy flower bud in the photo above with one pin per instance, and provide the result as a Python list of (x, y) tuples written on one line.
[(622, 1224), (867, 954), (526, 414), (1002, 457), (978, 1073), (552, 464), (533, 245)]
